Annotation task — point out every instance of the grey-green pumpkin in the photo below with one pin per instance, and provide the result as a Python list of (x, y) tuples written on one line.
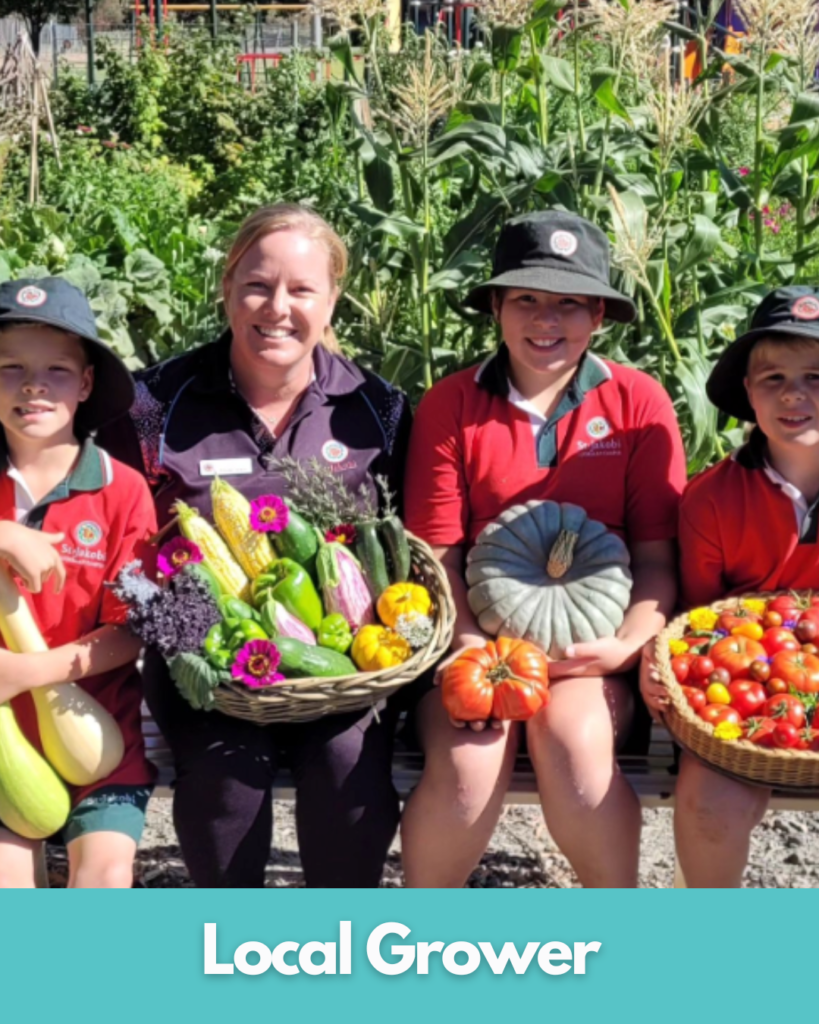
[(547, 573)]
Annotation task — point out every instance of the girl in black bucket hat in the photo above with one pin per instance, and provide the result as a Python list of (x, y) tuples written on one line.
[(750, 524), (544, 418)]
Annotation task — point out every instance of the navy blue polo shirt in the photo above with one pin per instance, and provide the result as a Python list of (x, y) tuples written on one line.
[(189, 424)]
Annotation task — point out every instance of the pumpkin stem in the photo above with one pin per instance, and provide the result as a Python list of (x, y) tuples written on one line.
[(562, 554)]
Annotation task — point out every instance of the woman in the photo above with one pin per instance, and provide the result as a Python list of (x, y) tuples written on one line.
[(273, 385), (544, 419)]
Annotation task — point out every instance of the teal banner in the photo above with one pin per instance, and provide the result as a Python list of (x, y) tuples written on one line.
[(393, 956)]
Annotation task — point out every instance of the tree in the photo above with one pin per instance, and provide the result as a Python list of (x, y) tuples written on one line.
[(37, 13)]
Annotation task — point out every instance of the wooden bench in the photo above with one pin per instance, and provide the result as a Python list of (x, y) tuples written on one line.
[(651, 776)]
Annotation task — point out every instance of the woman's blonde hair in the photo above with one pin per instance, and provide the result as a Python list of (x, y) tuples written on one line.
[(289, 217)]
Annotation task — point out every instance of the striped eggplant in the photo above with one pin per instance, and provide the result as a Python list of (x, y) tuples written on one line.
[(343, 585), (278, 621)]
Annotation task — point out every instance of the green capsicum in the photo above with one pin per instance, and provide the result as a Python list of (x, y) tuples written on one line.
[(216, 650), (334, 633), (245, 631), (291, 585)]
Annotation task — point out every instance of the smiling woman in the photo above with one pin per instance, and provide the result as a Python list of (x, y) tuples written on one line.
[(275, 384)]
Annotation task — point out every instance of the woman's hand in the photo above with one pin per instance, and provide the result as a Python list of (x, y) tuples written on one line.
[(605, 657), (32, 555), (652, 687)]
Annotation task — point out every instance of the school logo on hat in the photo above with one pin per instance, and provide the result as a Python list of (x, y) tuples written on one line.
[(598, 428), (31, 297), (334, 451), (806, 308), (564, 243), (88, 533)]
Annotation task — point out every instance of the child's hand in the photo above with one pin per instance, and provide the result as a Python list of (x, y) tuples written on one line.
[(605, 657), (11, 675), (652, 688), (32, 555)]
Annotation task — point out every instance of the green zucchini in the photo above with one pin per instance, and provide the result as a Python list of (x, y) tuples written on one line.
[(373, 560), (298, 541), (398, 549), (300, 659)]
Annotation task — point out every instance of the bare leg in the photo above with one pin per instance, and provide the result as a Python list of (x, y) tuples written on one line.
[(713, 820), (18, 861), (101, 860), (590, 810), (450, 817)]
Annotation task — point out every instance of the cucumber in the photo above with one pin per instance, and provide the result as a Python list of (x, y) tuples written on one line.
[(372, 558), (199, 571), (235, 608), (398, 549), (300, 659), (297, 541)]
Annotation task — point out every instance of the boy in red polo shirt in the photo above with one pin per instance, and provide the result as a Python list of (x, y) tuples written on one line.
[(749, 524), (70, 518), (544, 418)]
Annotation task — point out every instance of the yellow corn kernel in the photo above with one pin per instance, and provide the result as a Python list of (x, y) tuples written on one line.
[(231, 513), (215, 552)]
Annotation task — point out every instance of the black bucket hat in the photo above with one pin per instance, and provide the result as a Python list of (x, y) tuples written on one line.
[(55, 302), (553, 251), (784, 313)]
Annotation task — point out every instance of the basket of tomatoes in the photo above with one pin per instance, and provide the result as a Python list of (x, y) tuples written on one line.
[(743, 681)]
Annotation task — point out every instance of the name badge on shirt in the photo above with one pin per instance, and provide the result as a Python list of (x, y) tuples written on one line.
[(225, 467)]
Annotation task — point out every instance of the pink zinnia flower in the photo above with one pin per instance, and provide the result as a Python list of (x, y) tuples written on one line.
[(345, 533), (255, 664), (83, 129), (176, 554), (743, 172), (268, 514)]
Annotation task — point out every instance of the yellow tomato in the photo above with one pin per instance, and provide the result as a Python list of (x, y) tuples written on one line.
[(753, 630), (717, 693)]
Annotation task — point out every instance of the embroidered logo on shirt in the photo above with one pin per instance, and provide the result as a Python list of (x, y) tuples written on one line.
[(88, 533), (806, 308), (563, 243), (598, 428), (30, 296), (334, 451)]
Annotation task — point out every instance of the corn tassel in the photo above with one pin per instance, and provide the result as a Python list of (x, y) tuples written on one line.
[(231, 513), (215, 552)]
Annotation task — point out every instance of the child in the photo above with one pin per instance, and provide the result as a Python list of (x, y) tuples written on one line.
[(544, 418), (749, 524), (70, 518)]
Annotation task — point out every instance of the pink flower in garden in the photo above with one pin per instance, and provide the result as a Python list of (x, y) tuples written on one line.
[(769, 222), (110, 145), (256, 664), (775, 228), (766, 209), (743, 172), (176, 554), (83, 129), (784, 210), (268, 514)]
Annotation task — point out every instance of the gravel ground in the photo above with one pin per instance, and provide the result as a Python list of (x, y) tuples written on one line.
[(784, 853)]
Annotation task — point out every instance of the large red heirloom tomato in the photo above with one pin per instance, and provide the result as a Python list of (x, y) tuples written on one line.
[(506, 679), (736, 654), (798, 670)]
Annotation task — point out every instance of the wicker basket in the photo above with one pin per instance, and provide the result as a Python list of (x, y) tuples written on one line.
[(301, 700), (741, 759)]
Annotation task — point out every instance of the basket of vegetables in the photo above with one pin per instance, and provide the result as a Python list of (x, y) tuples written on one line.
[(743, 679), (285, 611)]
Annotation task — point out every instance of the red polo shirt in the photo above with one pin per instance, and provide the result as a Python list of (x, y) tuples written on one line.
[(744, 528), (613, 446), (106, 512)]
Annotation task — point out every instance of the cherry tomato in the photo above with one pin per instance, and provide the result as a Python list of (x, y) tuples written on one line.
[(807, 738), (716, 713), (701, 667), (681, 666), (760, 671), (776, 640), (753, 630), (806, 630), (775, 686), (717, 694), (811, 615), (746, 696), (809, 649), (785, 707), (759, 731), (696, 698), (785, 735), (771, 620)]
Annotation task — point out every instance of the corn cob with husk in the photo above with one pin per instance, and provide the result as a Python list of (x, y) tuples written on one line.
[(215, 551), (231, 513)]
